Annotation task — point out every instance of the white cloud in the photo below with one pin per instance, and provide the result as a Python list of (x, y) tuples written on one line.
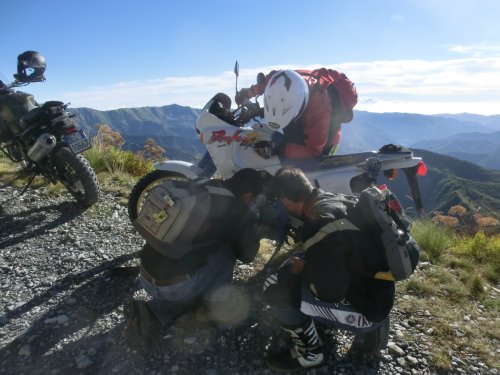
[(476, 50), (455, 86)]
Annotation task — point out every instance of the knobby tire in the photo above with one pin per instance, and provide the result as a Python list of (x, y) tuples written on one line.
[(77, 176)]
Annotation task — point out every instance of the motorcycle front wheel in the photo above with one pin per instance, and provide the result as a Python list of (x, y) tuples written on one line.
[(144, 186), (77, 176)]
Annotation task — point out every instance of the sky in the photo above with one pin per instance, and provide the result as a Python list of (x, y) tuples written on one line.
[(411, 56)]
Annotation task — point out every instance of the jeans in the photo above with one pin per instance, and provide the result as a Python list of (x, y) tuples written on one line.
[(170, 301)]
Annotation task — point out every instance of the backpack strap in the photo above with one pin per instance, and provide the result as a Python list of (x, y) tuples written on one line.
[(334, 226)]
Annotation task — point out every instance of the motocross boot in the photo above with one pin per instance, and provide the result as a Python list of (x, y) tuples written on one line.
[(371, 343), (305, 352)]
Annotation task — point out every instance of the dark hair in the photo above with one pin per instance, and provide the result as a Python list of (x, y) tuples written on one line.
[(246, 180), (291, 183)]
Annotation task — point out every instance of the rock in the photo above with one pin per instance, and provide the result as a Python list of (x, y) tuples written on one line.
[(393, 348), (83, 361), (60, 319), (25, 350)]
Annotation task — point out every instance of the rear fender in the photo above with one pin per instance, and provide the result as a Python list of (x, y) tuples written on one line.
[(185, 168)]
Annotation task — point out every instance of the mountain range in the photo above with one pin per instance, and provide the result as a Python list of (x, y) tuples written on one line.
[(461, 151)]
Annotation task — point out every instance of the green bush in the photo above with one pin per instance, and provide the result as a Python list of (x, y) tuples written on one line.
[(432, 239), (113, 160), (480, 248)]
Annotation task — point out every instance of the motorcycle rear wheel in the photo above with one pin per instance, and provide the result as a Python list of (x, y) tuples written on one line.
[(77, 176), (144, 186)]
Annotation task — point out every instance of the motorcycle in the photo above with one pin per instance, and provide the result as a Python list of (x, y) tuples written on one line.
[(230, 137), (45, 141)]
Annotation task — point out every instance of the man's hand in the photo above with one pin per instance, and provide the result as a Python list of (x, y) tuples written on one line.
[(242, 95)]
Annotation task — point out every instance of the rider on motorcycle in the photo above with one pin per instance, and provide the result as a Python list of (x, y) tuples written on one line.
[(299, 104)]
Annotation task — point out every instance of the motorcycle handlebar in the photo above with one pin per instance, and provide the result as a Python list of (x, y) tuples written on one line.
[(249, 110)]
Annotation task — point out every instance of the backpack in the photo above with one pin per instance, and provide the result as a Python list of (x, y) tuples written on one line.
[(342, 93), (378, 214), (173, 213), (342, 90)]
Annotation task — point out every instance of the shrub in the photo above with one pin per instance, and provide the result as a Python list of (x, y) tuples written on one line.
[(431, 238), (481, 248), (113, 160)]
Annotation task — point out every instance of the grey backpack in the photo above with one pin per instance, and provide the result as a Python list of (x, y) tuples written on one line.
[(173, 213)]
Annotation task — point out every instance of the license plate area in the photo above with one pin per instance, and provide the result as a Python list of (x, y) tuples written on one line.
[(77, 141)]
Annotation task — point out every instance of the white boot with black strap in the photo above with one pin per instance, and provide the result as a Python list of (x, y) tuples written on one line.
[(305, 353)]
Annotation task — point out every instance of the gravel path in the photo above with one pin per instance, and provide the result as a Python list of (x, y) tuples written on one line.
[(61, 299)]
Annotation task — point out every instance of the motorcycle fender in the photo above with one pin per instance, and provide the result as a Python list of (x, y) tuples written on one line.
[(335, 181), (189, 170)]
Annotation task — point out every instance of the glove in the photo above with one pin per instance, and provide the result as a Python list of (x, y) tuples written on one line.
[(276, 146), (242, 95), (275, 217), (265, 149)]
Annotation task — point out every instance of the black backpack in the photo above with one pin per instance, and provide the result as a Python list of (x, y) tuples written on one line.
[(378, 214)]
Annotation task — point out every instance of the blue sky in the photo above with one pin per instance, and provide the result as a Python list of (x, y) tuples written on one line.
[(420, 56)]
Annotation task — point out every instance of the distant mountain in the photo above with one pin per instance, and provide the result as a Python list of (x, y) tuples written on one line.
[(492, 122), (368, 131), (171, 126), (479, 148)]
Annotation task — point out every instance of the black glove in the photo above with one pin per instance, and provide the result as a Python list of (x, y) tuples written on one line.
[(242, 95), (265, 149), (275, 217), (276, 146)]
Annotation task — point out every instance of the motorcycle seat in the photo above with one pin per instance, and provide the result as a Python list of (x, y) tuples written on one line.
[(338, 161), (32, 116), (328, 162)]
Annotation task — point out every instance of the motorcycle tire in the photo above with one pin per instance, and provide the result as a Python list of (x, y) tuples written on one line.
[(77, 176), (144, 186)]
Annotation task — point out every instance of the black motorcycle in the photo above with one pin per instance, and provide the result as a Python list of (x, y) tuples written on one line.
[(44, 138)]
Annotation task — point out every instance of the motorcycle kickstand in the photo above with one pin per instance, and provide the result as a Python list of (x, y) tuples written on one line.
[(275, 253), (28, 184)]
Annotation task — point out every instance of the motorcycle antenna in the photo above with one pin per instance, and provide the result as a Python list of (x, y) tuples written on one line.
[(237, 72)]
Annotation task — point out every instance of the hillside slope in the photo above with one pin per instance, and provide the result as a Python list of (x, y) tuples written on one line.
[(452, 181)]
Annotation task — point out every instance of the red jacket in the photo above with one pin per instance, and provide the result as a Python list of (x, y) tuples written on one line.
[(314, 123)]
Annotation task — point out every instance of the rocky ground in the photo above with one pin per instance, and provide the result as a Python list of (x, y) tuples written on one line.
[(62, 286)]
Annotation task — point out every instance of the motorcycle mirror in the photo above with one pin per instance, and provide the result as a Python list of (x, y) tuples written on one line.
[(237, 72), (236, 68), (261, 78)]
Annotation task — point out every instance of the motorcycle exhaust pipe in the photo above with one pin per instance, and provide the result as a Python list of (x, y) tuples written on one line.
[(42, 146)]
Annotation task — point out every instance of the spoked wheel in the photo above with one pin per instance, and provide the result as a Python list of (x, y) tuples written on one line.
[(77, 176), (144, 186)]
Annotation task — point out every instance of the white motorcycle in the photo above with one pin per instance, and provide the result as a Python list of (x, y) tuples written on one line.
[(230, 137)]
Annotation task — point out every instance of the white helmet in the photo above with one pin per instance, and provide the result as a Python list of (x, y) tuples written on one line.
[(285, 97)]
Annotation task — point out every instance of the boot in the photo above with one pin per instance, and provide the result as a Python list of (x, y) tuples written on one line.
[(140, 322), (371, 343), (305, 352)]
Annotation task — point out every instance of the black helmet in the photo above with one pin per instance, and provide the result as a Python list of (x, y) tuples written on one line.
[(30, 60)]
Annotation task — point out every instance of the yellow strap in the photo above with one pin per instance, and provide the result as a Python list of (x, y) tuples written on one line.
[(387, 276), (337, 225)]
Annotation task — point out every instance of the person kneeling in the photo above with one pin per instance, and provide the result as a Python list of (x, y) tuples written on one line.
[(328, 282), (204, 273)]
